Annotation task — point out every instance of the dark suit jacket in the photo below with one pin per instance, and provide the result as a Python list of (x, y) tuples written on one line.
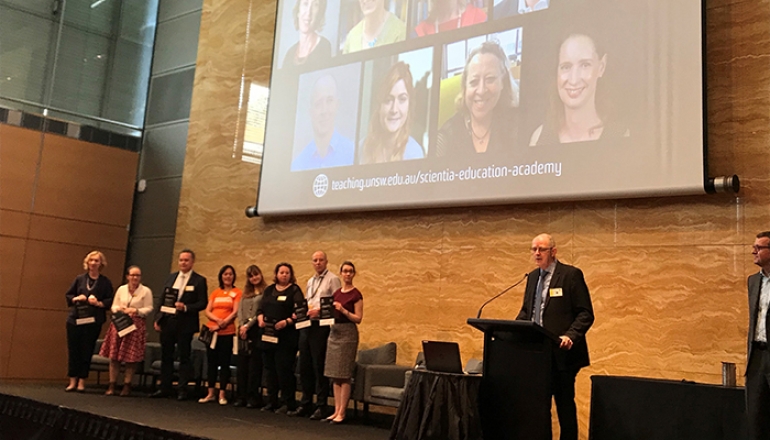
[(754, 283), (195, 299), (570, 314)]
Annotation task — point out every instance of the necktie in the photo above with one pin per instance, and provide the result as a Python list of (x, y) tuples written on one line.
[(537, 316), (181, 286)]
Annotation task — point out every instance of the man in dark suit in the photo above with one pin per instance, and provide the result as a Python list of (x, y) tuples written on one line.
[(557, 298), (758, 364), (179, 323)]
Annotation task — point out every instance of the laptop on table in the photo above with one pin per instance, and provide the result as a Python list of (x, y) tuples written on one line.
[(442, 356)]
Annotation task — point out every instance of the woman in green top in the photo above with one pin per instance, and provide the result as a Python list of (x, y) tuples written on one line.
[(378, 28)]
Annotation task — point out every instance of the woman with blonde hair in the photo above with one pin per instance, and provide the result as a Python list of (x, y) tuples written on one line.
[(309, 19), (250, 358), (88, 297), (388, 139), (485, 120)]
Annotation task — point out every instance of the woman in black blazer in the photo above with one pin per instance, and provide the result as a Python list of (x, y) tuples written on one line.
[(88, 297)]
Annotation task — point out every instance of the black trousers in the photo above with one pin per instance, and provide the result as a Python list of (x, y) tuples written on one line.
[(81, 341), (312, 357), (219, 360), (250, 373), (563, 390), (758, 394), (171, 339), (279, 362)]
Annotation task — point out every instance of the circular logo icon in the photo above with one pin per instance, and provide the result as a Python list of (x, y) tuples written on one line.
[(320, 185)]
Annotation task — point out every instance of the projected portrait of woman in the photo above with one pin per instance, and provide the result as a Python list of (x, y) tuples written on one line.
[(378, 28), (447, 15), (576, 112), (309, 19), (485, 120), (388, 138)]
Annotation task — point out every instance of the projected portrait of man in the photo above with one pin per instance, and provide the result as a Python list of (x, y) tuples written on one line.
[(328, 148), (485, 119), (576, 111), (516, 7)]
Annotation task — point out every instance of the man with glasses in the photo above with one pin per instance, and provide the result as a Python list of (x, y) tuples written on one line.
[(758, 364), (557, 298)]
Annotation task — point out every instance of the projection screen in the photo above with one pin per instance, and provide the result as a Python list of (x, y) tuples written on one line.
[(391, 104)]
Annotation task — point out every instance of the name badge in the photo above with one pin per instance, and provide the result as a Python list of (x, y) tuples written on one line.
[(189, 288), (281, 298), (555, 292)]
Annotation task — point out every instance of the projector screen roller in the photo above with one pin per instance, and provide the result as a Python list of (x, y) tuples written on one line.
[(391, 104)]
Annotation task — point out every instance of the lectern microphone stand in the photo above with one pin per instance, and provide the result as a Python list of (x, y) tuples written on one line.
[(515, 395)]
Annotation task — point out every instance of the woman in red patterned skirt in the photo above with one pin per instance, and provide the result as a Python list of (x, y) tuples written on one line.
[(135, 300)]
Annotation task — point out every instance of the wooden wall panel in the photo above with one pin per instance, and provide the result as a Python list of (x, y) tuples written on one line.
[(38, 351), (14, 223), (84, 181), (50, 268), (19, 151), (99, 236), (11, 259), (7, 320)]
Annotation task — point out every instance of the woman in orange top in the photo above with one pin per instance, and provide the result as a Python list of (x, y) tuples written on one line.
[(221, 311)]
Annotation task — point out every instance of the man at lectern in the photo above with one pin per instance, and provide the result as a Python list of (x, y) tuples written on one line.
[(758, 368), (557, 298)]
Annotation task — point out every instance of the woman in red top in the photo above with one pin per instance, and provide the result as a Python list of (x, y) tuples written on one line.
[(221, 311), (447, 15), (343, 341)]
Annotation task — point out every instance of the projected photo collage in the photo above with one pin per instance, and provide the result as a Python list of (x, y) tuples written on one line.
[(385, 105)]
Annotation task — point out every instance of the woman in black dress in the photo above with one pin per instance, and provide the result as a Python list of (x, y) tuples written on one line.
[(280, 339)]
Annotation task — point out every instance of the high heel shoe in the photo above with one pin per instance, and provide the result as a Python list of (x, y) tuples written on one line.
[(110, 389), (126, 391), (207, 399)]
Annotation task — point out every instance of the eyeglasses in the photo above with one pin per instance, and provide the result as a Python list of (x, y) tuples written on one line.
[(542, 250), (759, 248), (348, 271), (134, 274)]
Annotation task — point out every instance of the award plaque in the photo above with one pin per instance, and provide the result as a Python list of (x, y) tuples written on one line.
[(303, 320), (327, 311), (123, 323), (170, 296), (84, 314), (270, 334)]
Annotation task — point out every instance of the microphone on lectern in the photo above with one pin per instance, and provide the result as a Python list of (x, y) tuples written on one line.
[(500, 294)]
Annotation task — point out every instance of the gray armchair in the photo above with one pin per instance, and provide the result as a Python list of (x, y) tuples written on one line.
[(378, 379)]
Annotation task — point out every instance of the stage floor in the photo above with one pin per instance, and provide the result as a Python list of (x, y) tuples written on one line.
[(204, 420)]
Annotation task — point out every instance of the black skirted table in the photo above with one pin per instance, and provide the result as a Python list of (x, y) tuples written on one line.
[(439, 406), (631, 408)]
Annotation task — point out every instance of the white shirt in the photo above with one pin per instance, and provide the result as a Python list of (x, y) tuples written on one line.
[(181, 282), (321, 285), (141, 300)]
